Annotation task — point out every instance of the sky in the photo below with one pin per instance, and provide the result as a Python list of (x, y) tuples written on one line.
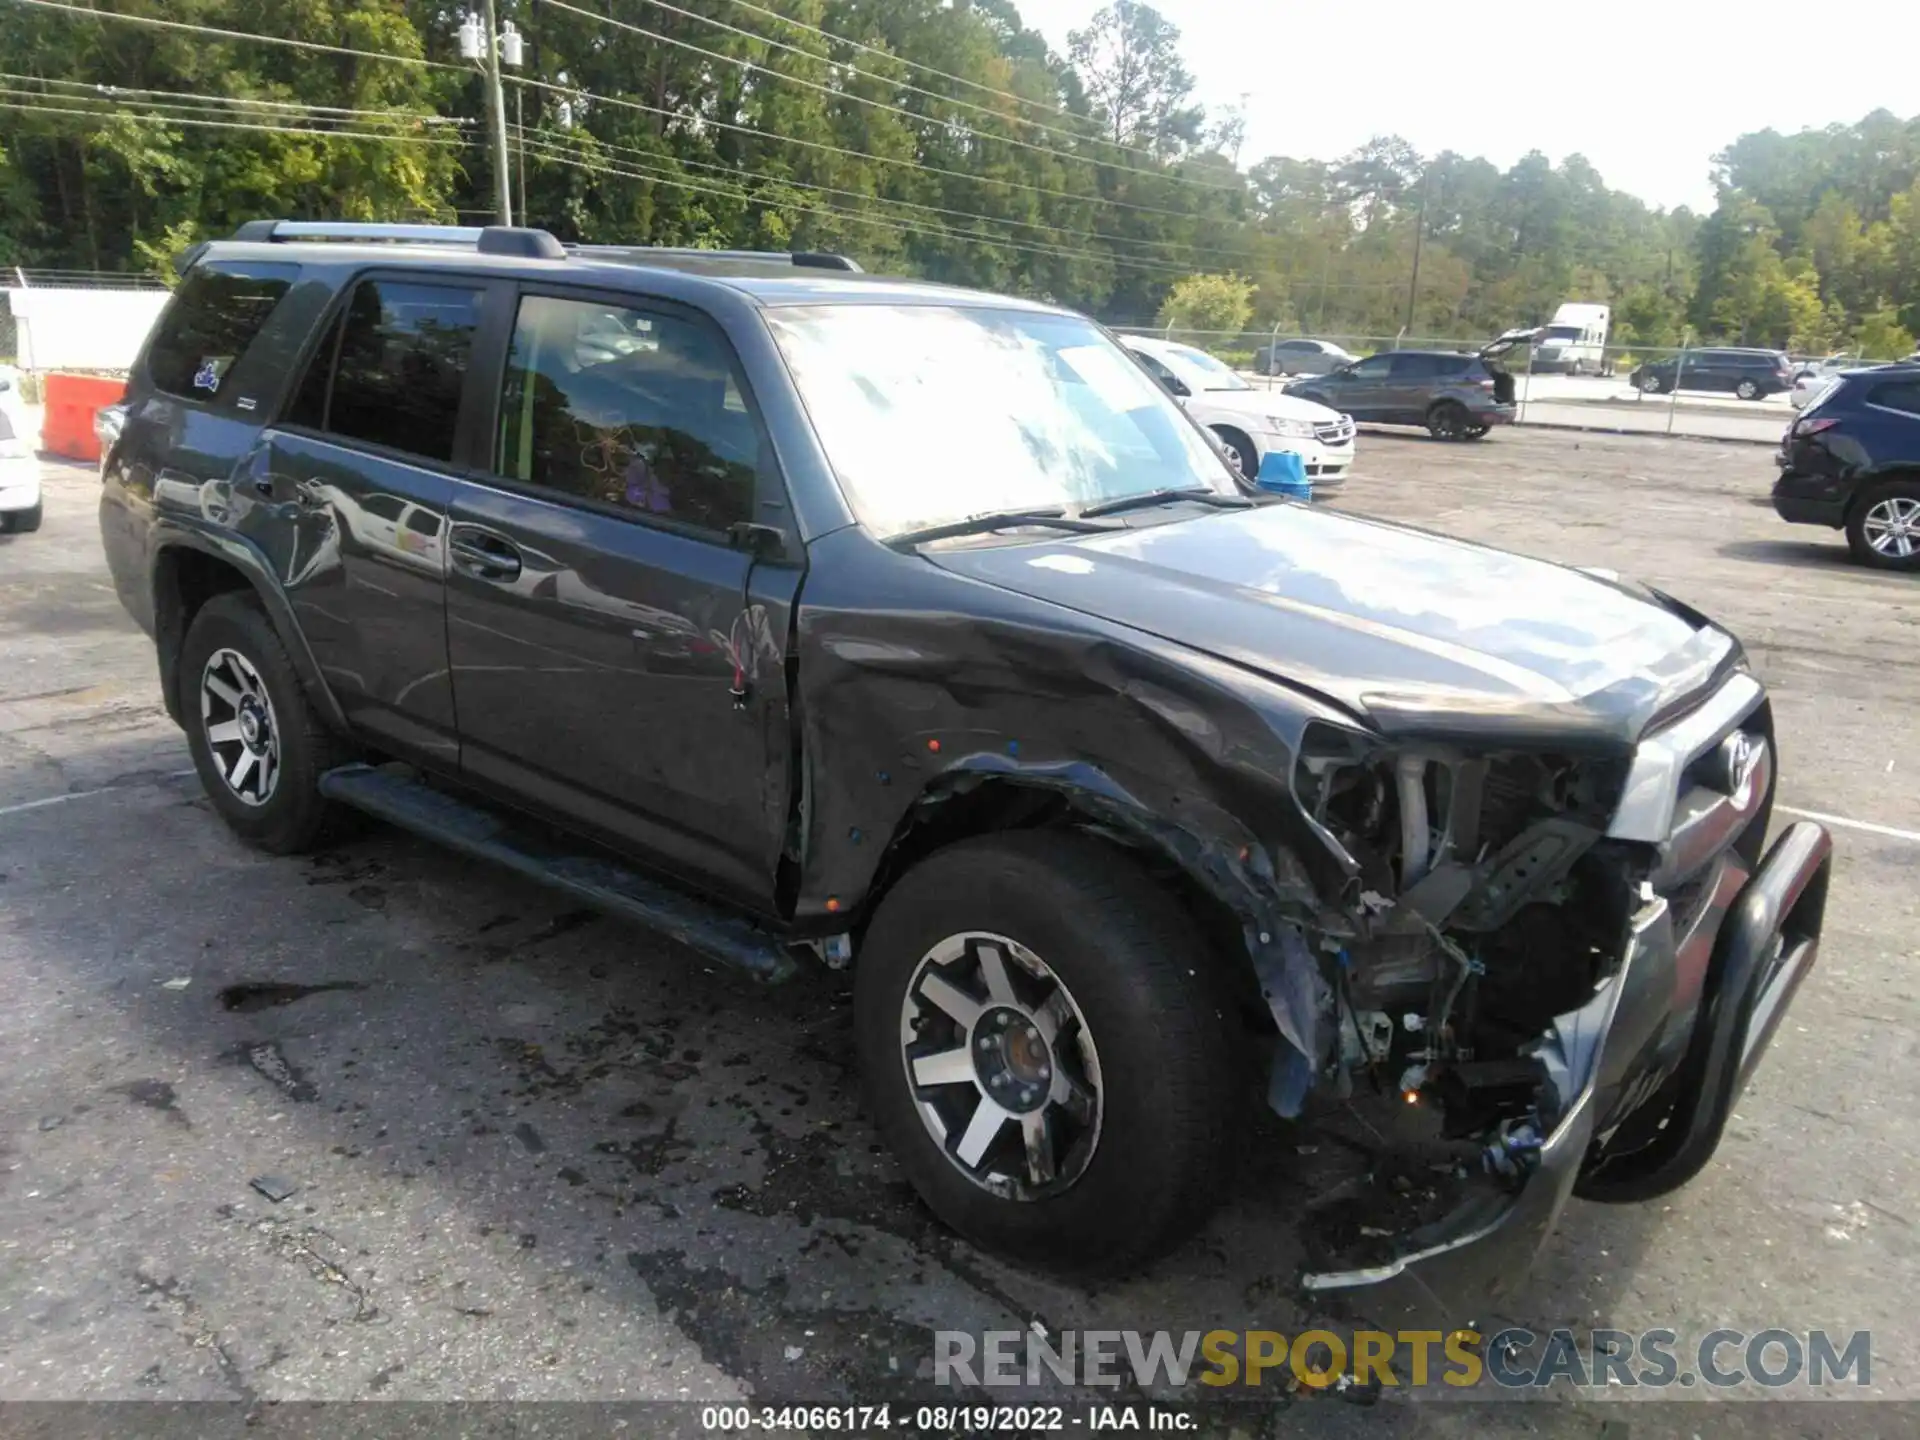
[(1647, 93)]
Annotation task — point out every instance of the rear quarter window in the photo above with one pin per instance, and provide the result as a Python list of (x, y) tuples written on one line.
[(1901, 395), (216, 314)]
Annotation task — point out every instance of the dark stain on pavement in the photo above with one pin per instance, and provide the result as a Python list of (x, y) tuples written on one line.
[(155, 1095), (250, 995)]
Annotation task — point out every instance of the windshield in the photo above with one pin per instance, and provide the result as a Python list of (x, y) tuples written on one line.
[(1561, 332), (1199, 369), (933, 413)]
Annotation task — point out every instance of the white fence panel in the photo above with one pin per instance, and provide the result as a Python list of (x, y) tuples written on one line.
[(63, 329)]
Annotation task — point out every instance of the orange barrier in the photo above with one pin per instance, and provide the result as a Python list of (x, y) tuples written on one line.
[(71, 403)]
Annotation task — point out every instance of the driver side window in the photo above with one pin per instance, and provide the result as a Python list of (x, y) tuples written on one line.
[(1374, 367), (1159, 372), (631, 408)]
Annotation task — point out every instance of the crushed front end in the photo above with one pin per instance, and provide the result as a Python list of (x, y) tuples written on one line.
[(1563, 967)]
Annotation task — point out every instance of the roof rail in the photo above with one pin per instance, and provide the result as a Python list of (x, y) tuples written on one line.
[(802, 259), (492, 240)]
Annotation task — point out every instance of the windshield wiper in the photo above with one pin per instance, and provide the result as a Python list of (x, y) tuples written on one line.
[(990, 520), (1161, 497)]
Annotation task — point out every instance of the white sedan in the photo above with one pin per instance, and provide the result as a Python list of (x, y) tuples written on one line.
[(1248, 420), (19, 470)]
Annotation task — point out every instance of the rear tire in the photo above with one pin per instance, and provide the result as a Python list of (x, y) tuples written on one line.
[(1747, 390), (1141, 1160), (1448, 420), (258, 744), (21, 522), (1884, 522)]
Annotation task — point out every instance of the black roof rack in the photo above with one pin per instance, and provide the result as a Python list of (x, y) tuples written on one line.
[(492, 240), (530, 244), (640, 254)]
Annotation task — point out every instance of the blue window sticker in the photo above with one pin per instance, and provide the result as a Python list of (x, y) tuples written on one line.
[(207, 377)]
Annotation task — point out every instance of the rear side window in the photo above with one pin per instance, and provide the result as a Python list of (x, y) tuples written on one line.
[(215, 315), (1901, 395), (390, 372)]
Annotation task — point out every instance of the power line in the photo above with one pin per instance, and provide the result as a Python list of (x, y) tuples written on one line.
[(123, 114), (849, 95), (312, 45), (1072, 135), (622, 102), (547, 150), (105, 93), (1044, 228), (925, 69)]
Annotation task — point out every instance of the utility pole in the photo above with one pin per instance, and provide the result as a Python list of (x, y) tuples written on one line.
[(483, 41), (1419, 234)]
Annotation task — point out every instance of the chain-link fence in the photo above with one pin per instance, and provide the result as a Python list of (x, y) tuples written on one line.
[(1718, 392)]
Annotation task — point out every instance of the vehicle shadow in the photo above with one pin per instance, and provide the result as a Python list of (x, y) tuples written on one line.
[(1829, 554), (575, 1103)]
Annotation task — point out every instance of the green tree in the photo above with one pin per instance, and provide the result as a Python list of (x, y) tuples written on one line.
[(1213, 303), (1128, 60)]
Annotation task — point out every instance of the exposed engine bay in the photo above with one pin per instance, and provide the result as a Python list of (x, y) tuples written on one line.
[(1488, 901)]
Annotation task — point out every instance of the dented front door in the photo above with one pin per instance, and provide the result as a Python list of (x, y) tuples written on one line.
[(617, 646)]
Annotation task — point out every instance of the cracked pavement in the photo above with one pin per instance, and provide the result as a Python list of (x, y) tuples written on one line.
[(536, 1154)]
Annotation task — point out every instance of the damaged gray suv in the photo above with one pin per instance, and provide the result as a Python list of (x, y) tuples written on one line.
[(813, 618)]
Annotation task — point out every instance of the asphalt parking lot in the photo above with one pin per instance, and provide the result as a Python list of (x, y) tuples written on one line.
[(535, 1154)]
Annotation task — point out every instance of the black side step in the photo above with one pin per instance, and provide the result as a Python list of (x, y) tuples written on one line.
[(719, 934)]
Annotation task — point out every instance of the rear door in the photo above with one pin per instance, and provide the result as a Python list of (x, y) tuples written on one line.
[(618, 643), (363, 464)]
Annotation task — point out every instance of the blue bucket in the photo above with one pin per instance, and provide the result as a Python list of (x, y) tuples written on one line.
[(1284, 473)]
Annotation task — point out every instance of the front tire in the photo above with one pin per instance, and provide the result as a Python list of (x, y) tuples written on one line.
[(20, 522), (1045, 1052), (257, 742), (1240, 451), (1883, 529), (1651, 384)]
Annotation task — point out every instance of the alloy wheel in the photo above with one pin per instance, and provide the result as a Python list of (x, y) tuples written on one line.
[(1892, 527), (1002, 1066), (243, 734)]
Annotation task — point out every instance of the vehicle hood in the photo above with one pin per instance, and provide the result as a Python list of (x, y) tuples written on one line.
[(1256, 404), (1412, 632)]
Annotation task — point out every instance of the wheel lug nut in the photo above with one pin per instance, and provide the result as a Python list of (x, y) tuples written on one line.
[(985, 1043)]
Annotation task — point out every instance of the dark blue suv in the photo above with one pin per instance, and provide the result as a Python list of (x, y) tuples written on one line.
[(813, 617), (1852, 461)]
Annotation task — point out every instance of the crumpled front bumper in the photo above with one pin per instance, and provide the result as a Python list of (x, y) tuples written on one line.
[(1770, 939)]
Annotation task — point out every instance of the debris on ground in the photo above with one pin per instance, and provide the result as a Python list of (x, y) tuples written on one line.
[(178, 982), (273, 1187)]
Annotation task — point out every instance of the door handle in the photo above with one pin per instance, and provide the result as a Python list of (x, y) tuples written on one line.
[(484, 556)]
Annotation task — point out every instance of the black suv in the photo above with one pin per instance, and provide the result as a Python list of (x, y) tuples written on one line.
[(1456, 396), (1851, 460), (817, 618), (1750, 374)]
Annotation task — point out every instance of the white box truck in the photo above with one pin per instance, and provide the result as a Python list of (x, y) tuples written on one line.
[(1575, 343)]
